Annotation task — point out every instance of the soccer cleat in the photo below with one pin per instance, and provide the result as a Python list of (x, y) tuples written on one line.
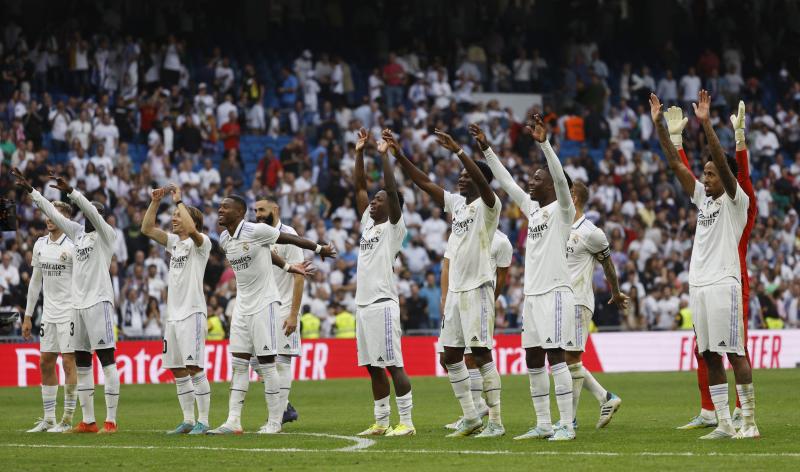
[(574, 424), (492, 430), (562, 434), (699, 422), (402, 430), (109, 427), (536, 433), (467, 428), (42, 425), (737, 419), (455, 424), (225, 429), (62, 427), (290, 414), (608, 409), (376, 430), (748, 432), (270, 428), (199, 428), (183, 428), (723, 431), (85, 428)]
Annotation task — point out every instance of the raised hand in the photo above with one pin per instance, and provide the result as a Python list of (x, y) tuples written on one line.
[(675, 120), (737, 120), (383, 146), (703, 107), (21, 181), (363, 137), (536, 128), (446, 141), (655, 108), (388, 137), (479, 136), (61, 183), (175, 191), (157, 194)]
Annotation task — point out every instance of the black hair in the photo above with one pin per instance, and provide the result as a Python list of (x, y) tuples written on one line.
[(486, 171), (732, 164), (569, 179), (239, 201), (400, 197)]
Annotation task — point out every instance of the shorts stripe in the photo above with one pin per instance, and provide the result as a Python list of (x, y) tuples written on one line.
[(387, 323), (272, 326), (197, 333), (484, 313), (557, 335), (109, 325), (579, 326), (734, 319)]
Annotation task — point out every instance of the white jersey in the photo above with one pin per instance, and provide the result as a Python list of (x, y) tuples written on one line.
[(587, 244), (502, 252), (378, 247), (92, 252), (720, 222), (470, 241), (187, 265), (248, 252), (548, 227), (52, 269), (292, 255)]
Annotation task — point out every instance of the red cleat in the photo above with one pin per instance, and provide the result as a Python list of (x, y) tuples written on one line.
[(109, 428), (85, 428)]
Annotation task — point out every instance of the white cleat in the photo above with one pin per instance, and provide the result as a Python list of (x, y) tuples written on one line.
[(562, 434), (536, 433), (42, 426), (748, 432), (225, 429), (699, 422), (270, 428), (483, 413), (608, 409), (737, 419), (723, 431), (62, 427), (467, 428), (492, 430)]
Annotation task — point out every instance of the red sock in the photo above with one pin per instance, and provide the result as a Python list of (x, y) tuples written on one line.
[(702, 382)]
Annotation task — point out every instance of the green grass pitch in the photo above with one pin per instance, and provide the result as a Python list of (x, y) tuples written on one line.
[(641, 436)]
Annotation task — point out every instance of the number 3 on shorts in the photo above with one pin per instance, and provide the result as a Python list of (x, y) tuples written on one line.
[(164, 350), (72, 328)]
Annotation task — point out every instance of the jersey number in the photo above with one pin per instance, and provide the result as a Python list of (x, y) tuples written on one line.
[(164, 351), (41, 330), (72, 328)]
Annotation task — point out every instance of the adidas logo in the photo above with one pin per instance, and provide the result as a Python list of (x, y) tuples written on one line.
[(101, 342), (548, 340), (721, 343), (265, 348), (287, 347), (570, 344), (475, 338), (380, 359), (189, 358)]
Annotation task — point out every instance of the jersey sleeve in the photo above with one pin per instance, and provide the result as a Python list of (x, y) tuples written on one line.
[(262, 233), (597, 244), (492, 214), (449, 202), (71, 228), (90, 212), (35, 286), (398, 232), (205, 248), (516, 192), (172, 240), (743, 176), (365, 217), (504, 253), (699, 194)]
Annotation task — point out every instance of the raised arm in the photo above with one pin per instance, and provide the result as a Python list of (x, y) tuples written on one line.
[(685, 177), (499, 171), (484, 189), (538, 131), (324, 251), (362, 197), (89, 211), (702, 110), (420, 179), (676, 122), (742, 158), (69, 227), (388, 179), (149, 227), (186, 218)]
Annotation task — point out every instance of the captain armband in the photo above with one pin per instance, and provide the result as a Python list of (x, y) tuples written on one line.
[(604, 254)]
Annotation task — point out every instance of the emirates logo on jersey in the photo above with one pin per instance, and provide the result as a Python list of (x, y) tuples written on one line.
[(537, 232), (707, 219), (462, 227)]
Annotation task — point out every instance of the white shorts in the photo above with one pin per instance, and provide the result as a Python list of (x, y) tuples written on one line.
[(718, 318), (287, 345), (440, 347), (56, 337), (548, 321), (583, 321), (378, 334), (94, 328), (255, 334), (185, 342), (468, 319)]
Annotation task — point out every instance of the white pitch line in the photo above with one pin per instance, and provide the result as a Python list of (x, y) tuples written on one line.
[(413, 451)]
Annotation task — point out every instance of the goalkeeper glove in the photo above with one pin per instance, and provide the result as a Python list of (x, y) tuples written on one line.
[(737, 121), (675, 124)]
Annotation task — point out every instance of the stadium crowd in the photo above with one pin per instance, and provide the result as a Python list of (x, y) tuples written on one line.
[(122, 115)]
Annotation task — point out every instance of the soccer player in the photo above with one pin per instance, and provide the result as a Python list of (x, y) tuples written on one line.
[(92, 298), (587, 244), (378, 315), (501, 255), (254, 325), (468, 318), (52, 270), (548, 315), (185, 328), (715, 289), (675, 123), (290, 288)]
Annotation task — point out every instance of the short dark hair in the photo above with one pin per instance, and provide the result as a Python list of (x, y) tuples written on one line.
[(485, 170), (732, 164), (239, 201), (400, 197), (569, 179)]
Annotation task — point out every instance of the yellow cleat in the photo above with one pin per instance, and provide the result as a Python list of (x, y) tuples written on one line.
[(376, 430), (402, 430)]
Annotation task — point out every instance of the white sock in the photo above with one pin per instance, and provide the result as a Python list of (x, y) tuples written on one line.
[(492, 387), (591, 384), (49, 394), (240, 382), (459, 380), (70, 400), (272, 392), (563, 384), (284, 364), (404, 406), (202, 395), (747, 397), (576, 372), (382, 411), (719, 395), (540, 394), (708, 414), (86, 393), (111, 390), (186, 397), (476, 388)]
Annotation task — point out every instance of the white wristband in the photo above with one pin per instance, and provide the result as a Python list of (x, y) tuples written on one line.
[(677, 140), (286, 267), (739, 135), (318, 249)]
